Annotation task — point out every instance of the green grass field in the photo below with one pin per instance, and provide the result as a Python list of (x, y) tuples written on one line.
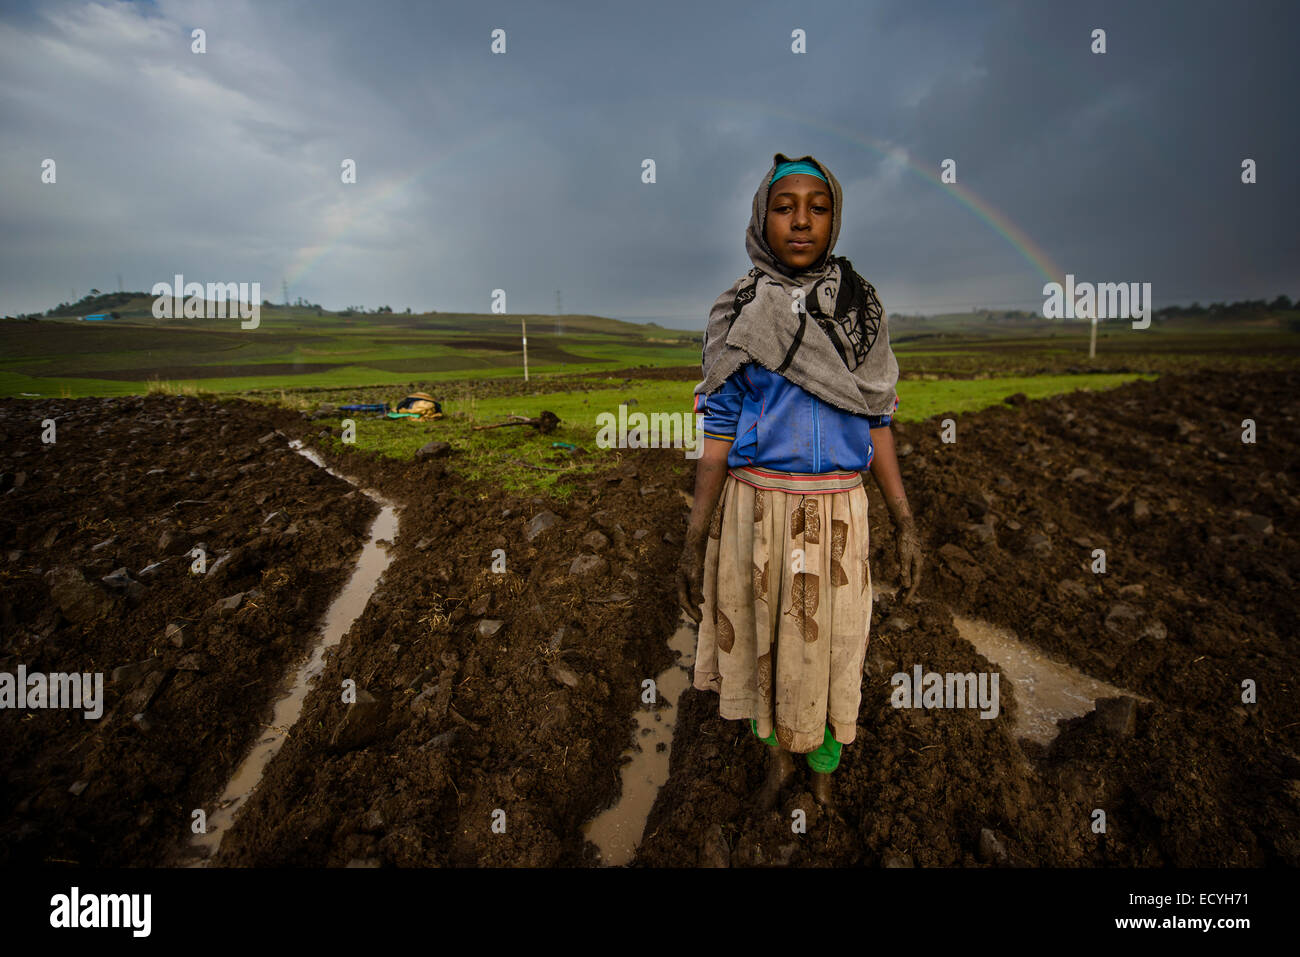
[(473, 365), (494, 454)]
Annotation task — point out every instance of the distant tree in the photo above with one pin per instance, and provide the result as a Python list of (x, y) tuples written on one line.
[(1281, 302), (408, 310), (95, 292)]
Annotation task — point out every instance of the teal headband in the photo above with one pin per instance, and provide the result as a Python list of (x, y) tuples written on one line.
[(799, 166)]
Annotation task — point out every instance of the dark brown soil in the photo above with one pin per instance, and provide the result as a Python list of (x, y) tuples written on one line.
[(1200, 533), (514, 736), (130, 482), (531, 720)]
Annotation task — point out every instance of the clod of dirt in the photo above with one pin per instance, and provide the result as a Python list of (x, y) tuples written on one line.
[(152, 570), (78, 600), (180, 633), (1258, 524), (361, 723), (120, 580), (714, 851), (488, 627), (991, 849), (130, 674), (432, 450), (145, 692), (194, 661), (540, 523), (1121, 618), (1039, 544), (224, 607), (1118, 716), (564, 676), (588, 565)]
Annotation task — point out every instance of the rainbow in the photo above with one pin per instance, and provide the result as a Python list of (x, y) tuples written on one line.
[(1020, 241)]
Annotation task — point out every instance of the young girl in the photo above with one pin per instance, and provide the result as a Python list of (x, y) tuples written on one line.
[(798, 393)]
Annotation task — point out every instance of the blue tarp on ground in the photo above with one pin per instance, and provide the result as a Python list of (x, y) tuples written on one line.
[(95, 318)]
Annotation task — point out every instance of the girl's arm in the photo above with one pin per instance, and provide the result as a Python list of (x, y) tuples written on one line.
[(884, 468), (710, 476)]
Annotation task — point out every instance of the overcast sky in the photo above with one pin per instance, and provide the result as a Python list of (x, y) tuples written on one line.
[(523, 170)]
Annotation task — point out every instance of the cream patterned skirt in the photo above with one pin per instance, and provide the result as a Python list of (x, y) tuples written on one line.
[(787, 604)]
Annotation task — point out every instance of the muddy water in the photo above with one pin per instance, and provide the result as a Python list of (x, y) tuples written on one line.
[(1047, 691), (617, 831), (344, 610)]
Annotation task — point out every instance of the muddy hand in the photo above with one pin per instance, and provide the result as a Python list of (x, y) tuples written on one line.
[(690, 577), (909, 558)]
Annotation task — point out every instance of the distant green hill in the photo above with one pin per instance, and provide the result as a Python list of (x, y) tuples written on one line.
[(137, 308), (302, 346)]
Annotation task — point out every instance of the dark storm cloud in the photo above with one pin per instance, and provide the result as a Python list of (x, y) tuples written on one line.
[(522, 171)]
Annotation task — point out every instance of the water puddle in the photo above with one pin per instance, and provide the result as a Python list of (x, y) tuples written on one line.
[(344, 610), (617, 831), (1047, 690)]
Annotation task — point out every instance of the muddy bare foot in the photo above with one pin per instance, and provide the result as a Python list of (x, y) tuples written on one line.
[(780, 770), (821, 788)]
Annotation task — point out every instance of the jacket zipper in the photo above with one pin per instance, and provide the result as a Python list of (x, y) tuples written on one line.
[(817, 439)]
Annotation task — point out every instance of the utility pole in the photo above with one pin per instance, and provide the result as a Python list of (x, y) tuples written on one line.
[(559, 311), (119, 282), (284, 284), (524, 327)]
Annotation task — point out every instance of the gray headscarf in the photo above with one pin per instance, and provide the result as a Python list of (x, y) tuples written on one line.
[(842, 356)]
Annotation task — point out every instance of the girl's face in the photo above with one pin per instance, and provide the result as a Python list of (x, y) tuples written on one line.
[(798, 226)]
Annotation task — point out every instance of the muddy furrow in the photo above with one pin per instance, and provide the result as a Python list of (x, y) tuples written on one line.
[(100, 525), (497, 677)]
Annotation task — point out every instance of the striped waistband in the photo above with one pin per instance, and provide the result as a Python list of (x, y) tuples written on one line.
[(803, 483)]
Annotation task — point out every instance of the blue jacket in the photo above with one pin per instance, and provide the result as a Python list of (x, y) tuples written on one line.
[(773, 423)]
